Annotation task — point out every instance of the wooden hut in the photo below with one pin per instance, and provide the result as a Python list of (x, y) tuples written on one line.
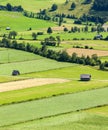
[(85, 77), (15, 72)]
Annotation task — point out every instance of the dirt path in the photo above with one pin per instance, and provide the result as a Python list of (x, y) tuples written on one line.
[(29, 83)]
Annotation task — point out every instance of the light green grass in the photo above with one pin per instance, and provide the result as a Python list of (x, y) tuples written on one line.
[(17, 22), (33, 5), (10, 78), (11, 55), (103, 59), (51, 106), (44, 91), (72, 73), (75, 121), (32, 66)]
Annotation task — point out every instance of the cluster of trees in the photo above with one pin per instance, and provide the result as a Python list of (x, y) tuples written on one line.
[(85, 47), (54, 7), (51, 41), (104, 66), (9, 7), (73, 6), (100, 5), (91, 18)]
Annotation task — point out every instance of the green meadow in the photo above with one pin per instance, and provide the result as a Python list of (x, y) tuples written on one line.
[(35, 110), (70, 105), (11, 55), (17, 22), (33, 5), (96, 118)]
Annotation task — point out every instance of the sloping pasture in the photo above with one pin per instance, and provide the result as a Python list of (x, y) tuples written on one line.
[(24, 112), (18, 22), (83, 120), (32, 66), (33, 5), (12, 55)]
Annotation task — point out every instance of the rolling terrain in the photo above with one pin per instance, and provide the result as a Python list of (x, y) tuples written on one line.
[(49, 94)]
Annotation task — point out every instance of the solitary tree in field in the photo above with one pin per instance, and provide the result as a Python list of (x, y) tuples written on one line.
[(49, 30), (9, 7), (34, 35), (73, 6), (58, 40), (54, 7), (60, 20)]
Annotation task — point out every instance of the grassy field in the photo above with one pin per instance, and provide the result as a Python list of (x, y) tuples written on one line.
[(33, 65), (11, 55), (33, 5), (93, 119), (71, 73), (51, 106), (99, 80), (44, 91), (16, 21), (72, 105), (10, 78)]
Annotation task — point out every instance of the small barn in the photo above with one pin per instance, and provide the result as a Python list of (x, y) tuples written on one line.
[(85, 77), (8, 28), (15, 72)]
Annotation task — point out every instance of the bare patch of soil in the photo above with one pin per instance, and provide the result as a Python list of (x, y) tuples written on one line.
[(29, 83), (86, 52)]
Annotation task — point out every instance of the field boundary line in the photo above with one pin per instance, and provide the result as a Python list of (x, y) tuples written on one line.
[(59, 114)]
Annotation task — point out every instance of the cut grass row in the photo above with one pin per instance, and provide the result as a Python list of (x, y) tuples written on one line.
[(10, 78), (24, 112), (99, 80), (33, 5), (71, 73), (17, 19), (11, 55), (45, 91), (84, 120), (33, 65)]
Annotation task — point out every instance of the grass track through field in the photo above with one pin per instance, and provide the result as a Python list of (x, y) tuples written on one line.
[(23, 112)]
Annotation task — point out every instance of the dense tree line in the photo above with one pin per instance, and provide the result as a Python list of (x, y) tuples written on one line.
[(9, 7), (100, 5), (59, 56)]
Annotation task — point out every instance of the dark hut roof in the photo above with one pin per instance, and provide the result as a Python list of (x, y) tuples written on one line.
[(85, 76)]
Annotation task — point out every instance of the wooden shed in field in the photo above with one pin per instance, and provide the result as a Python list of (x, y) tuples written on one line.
[(85, 77), (15, 72), (8, 28)]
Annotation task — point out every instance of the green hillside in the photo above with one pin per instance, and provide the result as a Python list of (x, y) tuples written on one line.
[(16, 21)]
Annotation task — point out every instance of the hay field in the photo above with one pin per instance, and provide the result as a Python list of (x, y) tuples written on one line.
[(86, 52)]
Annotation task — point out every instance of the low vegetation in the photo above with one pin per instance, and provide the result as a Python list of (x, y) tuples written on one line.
[(38, 109), (74, 35)]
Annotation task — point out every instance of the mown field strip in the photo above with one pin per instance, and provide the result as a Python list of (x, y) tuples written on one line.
[(23, 112), (33, 65), (12, 55), (71, 121), (16, 85)]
